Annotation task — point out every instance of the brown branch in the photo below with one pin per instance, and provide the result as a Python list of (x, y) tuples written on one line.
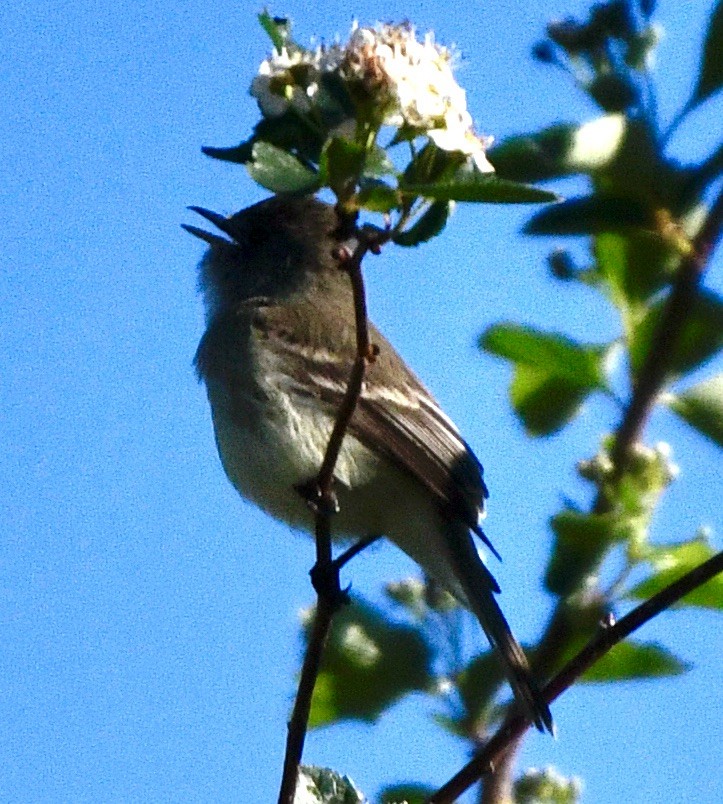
[(302, 704), (512, 729), (325, 574)]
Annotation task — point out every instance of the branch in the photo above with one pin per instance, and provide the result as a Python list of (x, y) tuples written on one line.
[(513, 728), (320, 493), (675, 315)]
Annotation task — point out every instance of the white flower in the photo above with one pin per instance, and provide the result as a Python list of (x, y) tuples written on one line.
[(410, 83), (460, 137)]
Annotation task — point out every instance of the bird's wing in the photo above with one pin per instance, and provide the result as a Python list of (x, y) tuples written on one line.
[(399, 420)]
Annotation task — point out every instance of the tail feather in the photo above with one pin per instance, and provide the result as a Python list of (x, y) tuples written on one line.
[(479, 587)]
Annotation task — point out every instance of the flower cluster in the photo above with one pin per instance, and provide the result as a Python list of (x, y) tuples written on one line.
[(409, 83)]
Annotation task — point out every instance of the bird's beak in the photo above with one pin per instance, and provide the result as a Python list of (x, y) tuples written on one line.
[(219, 221)]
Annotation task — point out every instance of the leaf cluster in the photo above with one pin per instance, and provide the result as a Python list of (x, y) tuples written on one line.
[(337, 145)]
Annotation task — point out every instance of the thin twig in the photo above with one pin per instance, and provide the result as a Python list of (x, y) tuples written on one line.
[(325, 574), (674, 317), (302, 704), (608, 636)]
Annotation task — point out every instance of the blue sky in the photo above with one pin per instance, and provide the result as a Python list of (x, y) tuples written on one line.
[(148, 616)]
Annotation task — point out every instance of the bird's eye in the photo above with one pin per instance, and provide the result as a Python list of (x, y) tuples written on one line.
[(255, 236)]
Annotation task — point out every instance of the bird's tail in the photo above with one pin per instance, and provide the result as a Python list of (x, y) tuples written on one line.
[(479, 588)]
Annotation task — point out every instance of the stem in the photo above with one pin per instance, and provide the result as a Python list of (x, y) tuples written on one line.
[(676, 312), (497, 788), (302, 705), (325, 574)]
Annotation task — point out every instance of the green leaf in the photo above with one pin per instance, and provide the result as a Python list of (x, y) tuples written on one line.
[(406, 793), (377, 196), (369, 663), (613, 92), (700, 340), (632, 268), (346, 163), (535, 157), (702, 407), (342, 163), (544, 402), (277, 28), (710, 78), (552, 375), (672, 562), (430, 165), (621, 153), (427, 226), (477, 685), (546, 786), (280, 171), (333, 102), (576, 621), (628, 661), (591, 215), (479, 187), (581, 542), (552, 352), (378, 164), (290, 132)]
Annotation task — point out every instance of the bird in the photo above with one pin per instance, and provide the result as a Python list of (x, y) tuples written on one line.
[(275, 357)]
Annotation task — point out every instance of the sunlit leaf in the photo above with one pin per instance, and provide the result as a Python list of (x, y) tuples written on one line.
[(544, 402), (629, 661), (369, 663), (632, 266), (581, 541), (552, 352), (702, 407), (700, 340), (325, 786), (552, 373), (280, 171), (672, 562), (480, 187)]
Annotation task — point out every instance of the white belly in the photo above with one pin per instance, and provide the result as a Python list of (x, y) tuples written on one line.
[(266, 461)]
